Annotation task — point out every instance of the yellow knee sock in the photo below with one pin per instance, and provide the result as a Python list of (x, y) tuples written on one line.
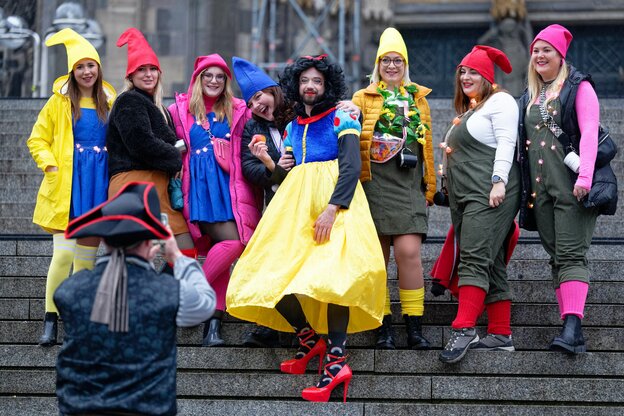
[(387, 310), (61, 263), (84, 257), (412, 301)]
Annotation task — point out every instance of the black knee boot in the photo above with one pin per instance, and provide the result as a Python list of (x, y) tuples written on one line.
[(415, 339), (50, 329), (212, 331), (385, 334), (571, 339)]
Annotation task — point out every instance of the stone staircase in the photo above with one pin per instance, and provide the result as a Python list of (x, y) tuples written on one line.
[(241, 381)]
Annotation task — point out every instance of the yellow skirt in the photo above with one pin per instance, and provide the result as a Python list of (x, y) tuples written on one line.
[(282, 257)]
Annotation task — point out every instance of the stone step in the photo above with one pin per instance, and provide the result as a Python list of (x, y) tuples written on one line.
[(22, 103), (525, 250), (533, 269), (363, 386), (26, 194), (21, 290), (17, 166), (11, 209), (44, 406), (19, 181), (534, 338), (528, 363), (20, 225), (18, 152), (13, 139)]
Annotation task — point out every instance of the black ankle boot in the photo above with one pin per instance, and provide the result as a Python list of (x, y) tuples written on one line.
[(212, 331), (415, 339), (385, 334), (50, 329), (571, 339), (261, 336)]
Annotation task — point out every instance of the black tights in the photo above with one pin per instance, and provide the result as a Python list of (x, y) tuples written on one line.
[(337, 318)]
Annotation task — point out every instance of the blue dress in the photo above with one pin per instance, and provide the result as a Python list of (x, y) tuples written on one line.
[(209, 193), (90, 168)]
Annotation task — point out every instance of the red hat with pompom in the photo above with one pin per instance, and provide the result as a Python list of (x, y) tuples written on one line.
[(482, 59), (139, 51)]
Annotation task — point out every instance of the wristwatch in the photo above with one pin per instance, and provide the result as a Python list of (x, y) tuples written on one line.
[(496, 179)]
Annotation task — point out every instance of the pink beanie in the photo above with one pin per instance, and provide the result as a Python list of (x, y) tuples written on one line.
[(558, 36)]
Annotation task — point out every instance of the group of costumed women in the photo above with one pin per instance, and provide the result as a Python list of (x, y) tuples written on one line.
[(342, 183)]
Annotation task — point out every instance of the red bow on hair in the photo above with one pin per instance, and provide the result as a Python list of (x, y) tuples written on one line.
[(316, 58)]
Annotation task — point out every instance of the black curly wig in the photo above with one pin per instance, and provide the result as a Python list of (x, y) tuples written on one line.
[(335, 85)]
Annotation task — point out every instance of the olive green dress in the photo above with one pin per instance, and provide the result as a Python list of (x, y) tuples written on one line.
[(396, 196)]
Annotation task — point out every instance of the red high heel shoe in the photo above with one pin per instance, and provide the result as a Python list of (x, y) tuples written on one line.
[(321, 394), (299, 365)]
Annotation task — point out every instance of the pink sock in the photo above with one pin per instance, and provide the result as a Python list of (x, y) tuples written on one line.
[(573, 296), (559, 303), (217, 267), (220, 285)]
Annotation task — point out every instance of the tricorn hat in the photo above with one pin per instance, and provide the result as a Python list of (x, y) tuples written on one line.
[(132, 215)]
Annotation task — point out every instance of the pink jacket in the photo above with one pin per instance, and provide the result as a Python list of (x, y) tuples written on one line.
[(246, 199)]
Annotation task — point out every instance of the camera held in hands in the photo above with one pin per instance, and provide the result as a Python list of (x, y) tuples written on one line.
[(407, 159)]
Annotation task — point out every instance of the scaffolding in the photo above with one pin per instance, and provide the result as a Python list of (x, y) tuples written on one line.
[(264, 35)]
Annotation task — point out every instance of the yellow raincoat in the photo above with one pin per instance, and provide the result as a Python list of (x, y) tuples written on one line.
[(51, 143)]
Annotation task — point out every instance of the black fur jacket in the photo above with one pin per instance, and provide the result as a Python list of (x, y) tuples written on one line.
[(139, 138)]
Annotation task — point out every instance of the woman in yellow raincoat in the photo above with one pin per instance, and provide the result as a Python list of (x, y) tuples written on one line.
[(68, 144)]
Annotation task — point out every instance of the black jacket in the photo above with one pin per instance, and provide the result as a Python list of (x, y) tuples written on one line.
[(253, 169), (138, 137)]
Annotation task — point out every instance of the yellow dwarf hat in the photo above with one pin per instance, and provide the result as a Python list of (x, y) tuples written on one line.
[(391, 41), (77, 47)]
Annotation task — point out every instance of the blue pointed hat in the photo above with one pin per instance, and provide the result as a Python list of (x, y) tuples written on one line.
[(250, 78)]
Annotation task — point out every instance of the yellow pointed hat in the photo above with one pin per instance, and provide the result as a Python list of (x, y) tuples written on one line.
[(391, 41), (77, 47)]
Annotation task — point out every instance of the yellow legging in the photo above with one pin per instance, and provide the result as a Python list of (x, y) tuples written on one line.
[(84, 257), (60, 265)]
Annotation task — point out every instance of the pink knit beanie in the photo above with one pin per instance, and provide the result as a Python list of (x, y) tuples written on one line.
[(558, 36)]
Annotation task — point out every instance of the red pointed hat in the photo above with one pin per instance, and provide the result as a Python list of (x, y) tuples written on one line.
[(139, 51), (482, 58)]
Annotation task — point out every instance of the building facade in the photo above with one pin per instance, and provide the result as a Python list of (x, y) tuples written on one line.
[(438, 34)]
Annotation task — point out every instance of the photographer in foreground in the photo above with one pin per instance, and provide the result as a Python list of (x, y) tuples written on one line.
[(119, 352)]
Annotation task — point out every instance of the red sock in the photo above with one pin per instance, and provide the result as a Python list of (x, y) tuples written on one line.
[(471, 300), (499, 317)]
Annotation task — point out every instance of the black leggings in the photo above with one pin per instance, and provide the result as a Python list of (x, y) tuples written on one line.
[(290, 308)]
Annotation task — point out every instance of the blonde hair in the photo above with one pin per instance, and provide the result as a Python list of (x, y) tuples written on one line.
[(535, 84), (157, 96), (222, 107), (375, 77)]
